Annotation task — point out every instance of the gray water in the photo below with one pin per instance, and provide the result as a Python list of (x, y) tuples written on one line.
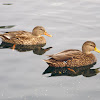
[(71, 22)]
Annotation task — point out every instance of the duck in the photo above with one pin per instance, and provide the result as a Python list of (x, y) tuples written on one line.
[(74, 58), (26, 38)]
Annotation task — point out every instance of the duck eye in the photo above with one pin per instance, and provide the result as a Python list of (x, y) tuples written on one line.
[(92, 46), (41, 29)]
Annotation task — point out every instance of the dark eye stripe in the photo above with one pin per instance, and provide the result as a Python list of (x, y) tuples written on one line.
[(42, 29), (93, 46)]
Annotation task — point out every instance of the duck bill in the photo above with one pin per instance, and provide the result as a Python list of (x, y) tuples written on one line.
[(97, 50), (45, 33)]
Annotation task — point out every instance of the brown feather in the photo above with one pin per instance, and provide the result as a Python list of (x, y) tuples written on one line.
[(73, 57), (22, 37), (26, 38)]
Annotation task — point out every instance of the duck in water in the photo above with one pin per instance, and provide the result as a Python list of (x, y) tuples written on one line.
[(74, 58)]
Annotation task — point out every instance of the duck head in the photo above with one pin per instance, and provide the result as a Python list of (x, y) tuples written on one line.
[(39, 30), (89, 46)]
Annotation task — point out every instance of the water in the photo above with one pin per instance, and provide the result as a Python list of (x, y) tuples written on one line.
[(71, 22)]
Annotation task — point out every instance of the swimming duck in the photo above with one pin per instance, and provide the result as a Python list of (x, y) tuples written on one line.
[(26, 38), (74, 58)]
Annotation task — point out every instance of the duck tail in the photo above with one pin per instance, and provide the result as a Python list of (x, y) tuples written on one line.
[(47, 61), (49, 56), (3, 36), (50, 62)]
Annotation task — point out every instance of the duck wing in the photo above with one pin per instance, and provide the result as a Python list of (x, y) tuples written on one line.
[(25, 35), (67, 54), (15, 34)]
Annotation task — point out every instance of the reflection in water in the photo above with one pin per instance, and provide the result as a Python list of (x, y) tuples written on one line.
[(7, 3), (63, 71), (5, 27), (37, 49)]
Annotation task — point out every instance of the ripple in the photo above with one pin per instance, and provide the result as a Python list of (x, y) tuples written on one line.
[(57, 4)]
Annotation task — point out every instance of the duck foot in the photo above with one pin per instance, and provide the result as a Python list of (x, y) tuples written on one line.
[(14, 46), (71, 70)]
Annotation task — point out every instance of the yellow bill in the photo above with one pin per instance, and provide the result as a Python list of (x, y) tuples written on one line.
[(45, 33), (97, 50)]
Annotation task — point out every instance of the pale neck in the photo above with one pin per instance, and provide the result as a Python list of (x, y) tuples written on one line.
[(85, 50), (36, 34)]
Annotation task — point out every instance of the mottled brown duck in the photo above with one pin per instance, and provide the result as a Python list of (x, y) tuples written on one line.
[(26, 38), (74, 58)]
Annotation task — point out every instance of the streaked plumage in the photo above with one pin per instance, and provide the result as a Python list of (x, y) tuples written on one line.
[(74, 58), (26, 38)]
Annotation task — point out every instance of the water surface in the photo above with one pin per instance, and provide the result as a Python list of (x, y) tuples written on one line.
[(71, 22)]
